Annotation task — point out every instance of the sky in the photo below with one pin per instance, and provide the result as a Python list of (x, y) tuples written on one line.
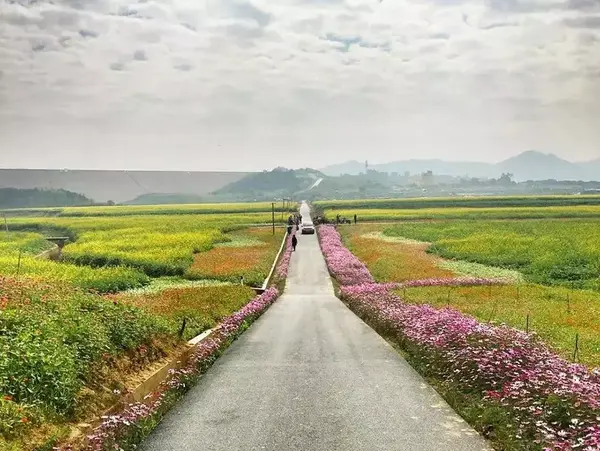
[(254, 84)]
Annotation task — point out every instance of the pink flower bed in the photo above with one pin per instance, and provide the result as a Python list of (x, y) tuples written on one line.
[(124, 429), (282, 267), (554, 403), (347, 269)]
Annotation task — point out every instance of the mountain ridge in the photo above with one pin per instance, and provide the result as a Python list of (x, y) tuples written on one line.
[(528, 165)]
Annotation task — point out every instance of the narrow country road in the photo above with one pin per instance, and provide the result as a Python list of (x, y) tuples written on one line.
[(310, 375)]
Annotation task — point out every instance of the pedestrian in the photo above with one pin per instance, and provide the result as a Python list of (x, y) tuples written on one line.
[(294, 242)]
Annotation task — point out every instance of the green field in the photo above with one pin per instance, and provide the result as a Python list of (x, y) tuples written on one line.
[(145, 210), (551, 252), (112, 253), (391, 215), (75, 332), (454, 202), (552, 265)]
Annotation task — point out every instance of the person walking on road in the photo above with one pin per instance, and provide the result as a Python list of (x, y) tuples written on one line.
[(294, 242)]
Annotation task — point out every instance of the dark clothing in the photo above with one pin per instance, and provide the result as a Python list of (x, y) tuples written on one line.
[(294, 242)]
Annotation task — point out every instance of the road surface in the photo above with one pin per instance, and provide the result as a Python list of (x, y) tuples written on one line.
[(310, 375)]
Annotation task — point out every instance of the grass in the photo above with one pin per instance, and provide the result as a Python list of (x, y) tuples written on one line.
[(390, 259), (104, 280), (59, 348), (201, 307), (175, 209), (64, 348), (385, 214), (550, 252), (453, 202), (250, 254), (555, 314), (28, 242), (134, 210), (113, 253)]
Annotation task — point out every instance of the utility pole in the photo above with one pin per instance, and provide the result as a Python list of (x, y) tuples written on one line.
[(273, 215)]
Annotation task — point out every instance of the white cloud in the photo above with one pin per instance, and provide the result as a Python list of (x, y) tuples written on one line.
[(295, 81)]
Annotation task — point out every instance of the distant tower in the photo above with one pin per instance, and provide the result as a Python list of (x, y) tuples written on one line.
[(366, 166)]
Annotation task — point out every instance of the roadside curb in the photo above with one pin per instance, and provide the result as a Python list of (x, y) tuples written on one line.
[(270, 276)]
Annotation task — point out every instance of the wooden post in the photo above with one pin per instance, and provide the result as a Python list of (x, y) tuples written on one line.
[(576, 350), (6, 224), (273, 215), (182, 329), (527, 324)]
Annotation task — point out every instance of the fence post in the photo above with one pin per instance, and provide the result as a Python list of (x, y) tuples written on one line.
[(576, 350), (182, 329), (273, 215), (527, 325), (19, 262)]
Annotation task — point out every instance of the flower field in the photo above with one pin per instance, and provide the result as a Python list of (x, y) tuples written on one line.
[(552, 252), (128, 428), (507, 383), (201, 307), (249, 254), (452, 202), (113, 253), (558, 314), (170, 209), (414, 214), (58, 351), (76, 333)]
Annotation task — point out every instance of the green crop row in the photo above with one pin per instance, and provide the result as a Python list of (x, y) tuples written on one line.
[(450, 202), (375, 214), (565, 252)]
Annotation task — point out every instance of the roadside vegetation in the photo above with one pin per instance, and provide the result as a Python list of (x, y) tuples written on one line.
[(544, 264), (506, 383), (76, 332)]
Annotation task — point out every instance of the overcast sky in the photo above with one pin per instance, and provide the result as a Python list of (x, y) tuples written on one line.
[(253, 84)]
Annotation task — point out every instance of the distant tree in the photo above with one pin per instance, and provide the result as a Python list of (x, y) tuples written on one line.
[(506, 178)]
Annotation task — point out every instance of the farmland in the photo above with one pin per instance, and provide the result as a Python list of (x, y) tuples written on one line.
[(462, 202), (133, 283), (550, 268), (415, 214)]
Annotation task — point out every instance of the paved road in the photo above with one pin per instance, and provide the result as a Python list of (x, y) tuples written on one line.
[(309, 375)]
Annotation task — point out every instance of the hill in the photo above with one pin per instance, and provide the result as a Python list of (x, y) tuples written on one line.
[(118, 186), (37, 198), (280, 182), (529, 165), (532, 165)]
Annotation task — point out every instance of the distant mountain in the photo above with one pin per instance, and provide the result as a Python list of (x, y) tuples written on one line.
[(532, 165), (351, 167), (118, 186), (34, 198), (280, 182), (529, 165)]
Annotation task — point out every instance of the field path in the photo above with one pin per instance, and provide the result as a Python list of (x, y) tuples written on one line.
[(309, 375)]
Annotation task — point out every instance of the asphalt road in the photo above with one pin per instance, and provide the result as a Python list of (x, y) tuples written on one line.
[(310, 375)]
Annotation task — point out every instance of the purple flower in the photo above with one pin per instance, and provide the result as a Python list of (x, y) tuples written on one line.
[(554, 401)]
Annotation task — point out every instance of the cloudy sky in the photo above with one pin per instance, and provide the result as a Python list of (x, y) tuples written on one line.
[(253, 84)]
